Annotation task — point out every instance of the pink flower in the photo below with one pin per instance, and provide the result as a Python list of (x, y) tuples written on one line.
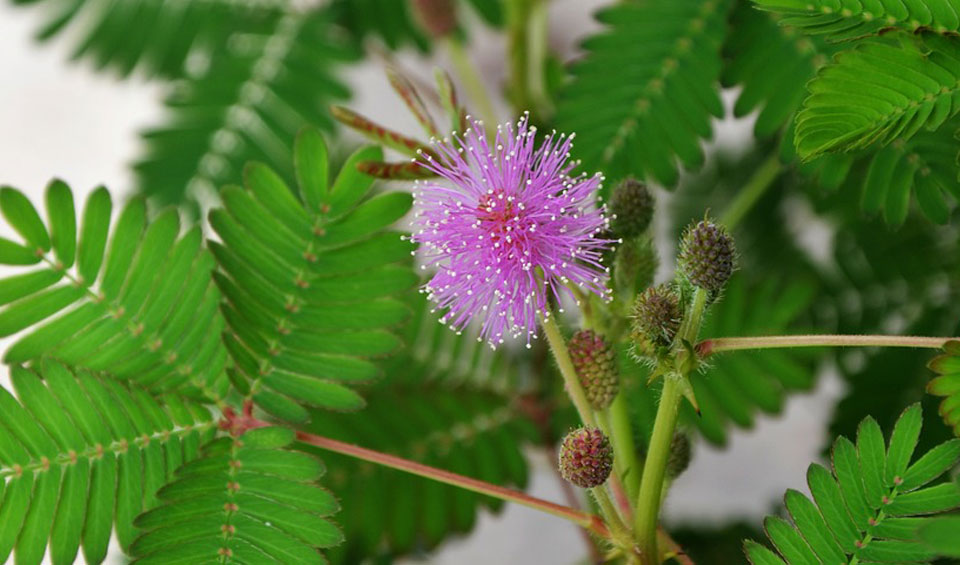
[(507, 229)]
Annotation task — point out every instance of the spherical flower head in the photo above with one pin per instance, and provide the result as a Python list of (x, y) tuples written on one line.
[(632, 207), (707, 255), (506, 228), (656, 315), (596, 366), (586, 457)]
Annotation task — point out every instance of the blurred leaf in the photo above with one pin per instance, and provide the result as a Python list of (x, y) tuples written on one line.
[(260, 88)]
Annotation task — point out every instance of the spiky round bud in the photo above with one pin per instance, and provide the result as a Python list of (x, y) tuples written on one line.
[(596, 365), (656, 314), (632, 207), (586, 457), (438, 17), (707, 255), (679, 458)]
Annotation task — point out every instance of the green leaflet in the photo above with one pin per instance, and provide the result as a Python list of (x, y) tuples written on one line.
[(912, 85), (245, 496), (128, 300), (839, 524), (309, 281), (644, 95), (69, 442), (851, 20), (947, 384)]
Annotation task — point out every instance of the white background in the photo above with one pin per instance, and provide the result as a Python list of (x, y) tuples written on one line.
[(59, 119)]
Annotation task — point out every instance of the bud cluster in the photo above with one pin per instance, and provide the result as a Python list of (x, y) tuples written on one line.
[(586, 457), (596, 365)]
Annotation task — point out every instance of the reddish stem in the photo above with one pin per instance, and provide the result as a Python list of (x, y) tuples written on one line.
[(590, 522)]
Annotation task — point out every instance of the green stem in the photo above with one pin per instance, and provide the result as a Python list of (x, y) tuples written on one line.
[(751, 192), (625, 457), (472, 81), (655, 466), (518, 47), (654, 470), (559, 348), (619, 532), (536, 67), (715, 345)]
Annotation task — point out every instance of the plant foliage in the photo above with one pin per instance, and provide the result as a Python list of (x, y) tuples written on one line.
[(308, 282), (912, 84), (246, 499), (947, 384), (137, 302), (466, 429), (259, 90), (861, 18), (81, 454), (155, 37), (643, 96), (869, 505)]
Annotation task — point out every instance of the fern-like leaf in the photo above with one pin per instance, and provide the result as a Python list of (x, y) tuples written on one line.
[(309, 282), (465, 429), (260, 88), (79, 453), (860, 18), (912, 84), (155, 37), (140, 306), (947, 384), (246, 500), (643, 96), (772, 63), (868, 507)]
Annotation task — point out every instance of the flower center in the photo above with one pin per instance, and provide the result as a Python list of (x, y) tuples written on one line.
[(501, 217)]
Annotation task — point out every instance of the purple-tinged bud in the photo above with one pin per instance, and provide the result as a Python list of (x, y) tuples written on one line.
[(656, 315), (707, 255), (632, 208), (586, 457), (596, 365), (438, 17)]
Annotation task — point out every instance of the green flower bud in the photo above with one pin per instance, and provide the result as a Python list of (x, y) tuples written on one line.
[(679, 458), (596, 366), (657, 315), (586, 457), (707, 255), (632, 208)]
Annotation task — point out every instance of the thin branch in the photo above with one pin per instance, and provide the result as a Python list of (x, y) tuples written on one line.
[(710, 346), (590, 522)]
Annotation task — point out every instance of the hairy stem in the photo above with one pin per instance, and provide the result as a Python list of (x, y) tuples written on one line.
[(758, 184), (590, 522), (472, 82), (619, 532), (664, 426), (715, 345), (559, 348)]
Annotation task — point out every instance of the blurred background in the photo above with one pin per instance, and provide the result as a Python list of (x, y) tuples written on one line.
[(82, 121)]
